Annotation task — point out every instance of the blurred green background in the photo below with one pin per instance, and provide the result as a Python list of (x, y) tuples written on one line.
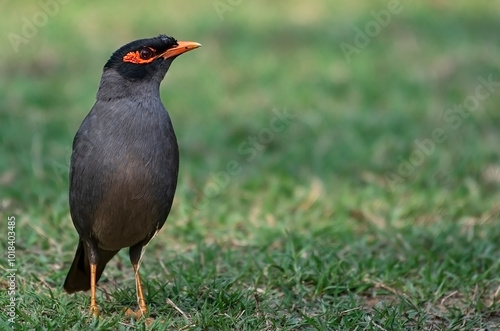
[(360, 150)]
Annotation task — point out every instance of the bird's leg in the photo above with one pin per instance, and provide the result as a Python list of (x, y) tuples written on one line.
[(92, 253), (93, 306), (140, 295), (135, 258)]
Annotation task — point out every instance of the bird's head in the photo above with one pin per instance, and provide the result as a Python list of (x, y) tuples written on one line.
[(143, 61)]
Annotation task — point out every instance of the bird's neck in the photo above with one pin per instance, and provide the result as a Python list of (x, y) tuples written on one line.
[(114, 86)]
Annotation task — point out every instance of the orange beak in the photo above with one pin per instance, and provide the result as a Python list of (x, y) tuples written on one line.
[(182, 47)]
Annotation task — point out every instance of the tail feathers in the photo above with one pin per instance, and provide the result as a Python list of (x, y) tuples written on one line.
[(78, 278)]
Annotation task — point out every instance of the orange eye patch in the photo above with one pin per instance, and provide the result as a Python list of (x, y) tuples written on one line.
[(145, 55)]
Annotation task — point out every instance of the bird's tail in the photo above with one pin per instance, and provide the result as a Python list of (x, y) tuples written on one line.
[(78, 278)]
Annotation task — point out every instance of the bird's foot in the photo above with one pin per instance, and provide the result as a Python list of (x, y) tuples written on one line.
[(143, 309), (94, 310), (141, 312)]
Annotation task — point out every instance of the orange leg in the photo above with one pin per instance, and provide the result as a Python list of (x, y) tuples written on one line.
[(93, 306), (140, 295)]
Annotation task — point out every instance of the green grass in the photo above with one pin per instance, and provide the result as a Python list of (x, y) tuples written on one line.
[(321, 229)]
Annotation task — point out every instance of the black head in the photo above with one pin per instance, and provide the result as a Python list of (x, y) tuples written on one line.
[(144, 59)]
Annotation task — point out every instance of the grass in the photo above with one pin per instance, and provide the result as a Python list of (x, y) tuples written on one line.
[(341, 221)]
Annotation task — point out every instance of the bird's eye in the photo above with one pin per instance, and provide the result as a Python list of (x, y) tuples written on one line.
[(146, 53), (141, 56)]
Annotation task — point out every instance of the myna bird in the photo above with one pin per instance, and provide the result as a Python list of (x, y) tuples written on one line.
[(124, 164)]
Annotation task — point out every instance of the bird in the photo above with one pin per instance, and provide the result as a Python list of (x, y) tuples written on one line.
[(124, 164)]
